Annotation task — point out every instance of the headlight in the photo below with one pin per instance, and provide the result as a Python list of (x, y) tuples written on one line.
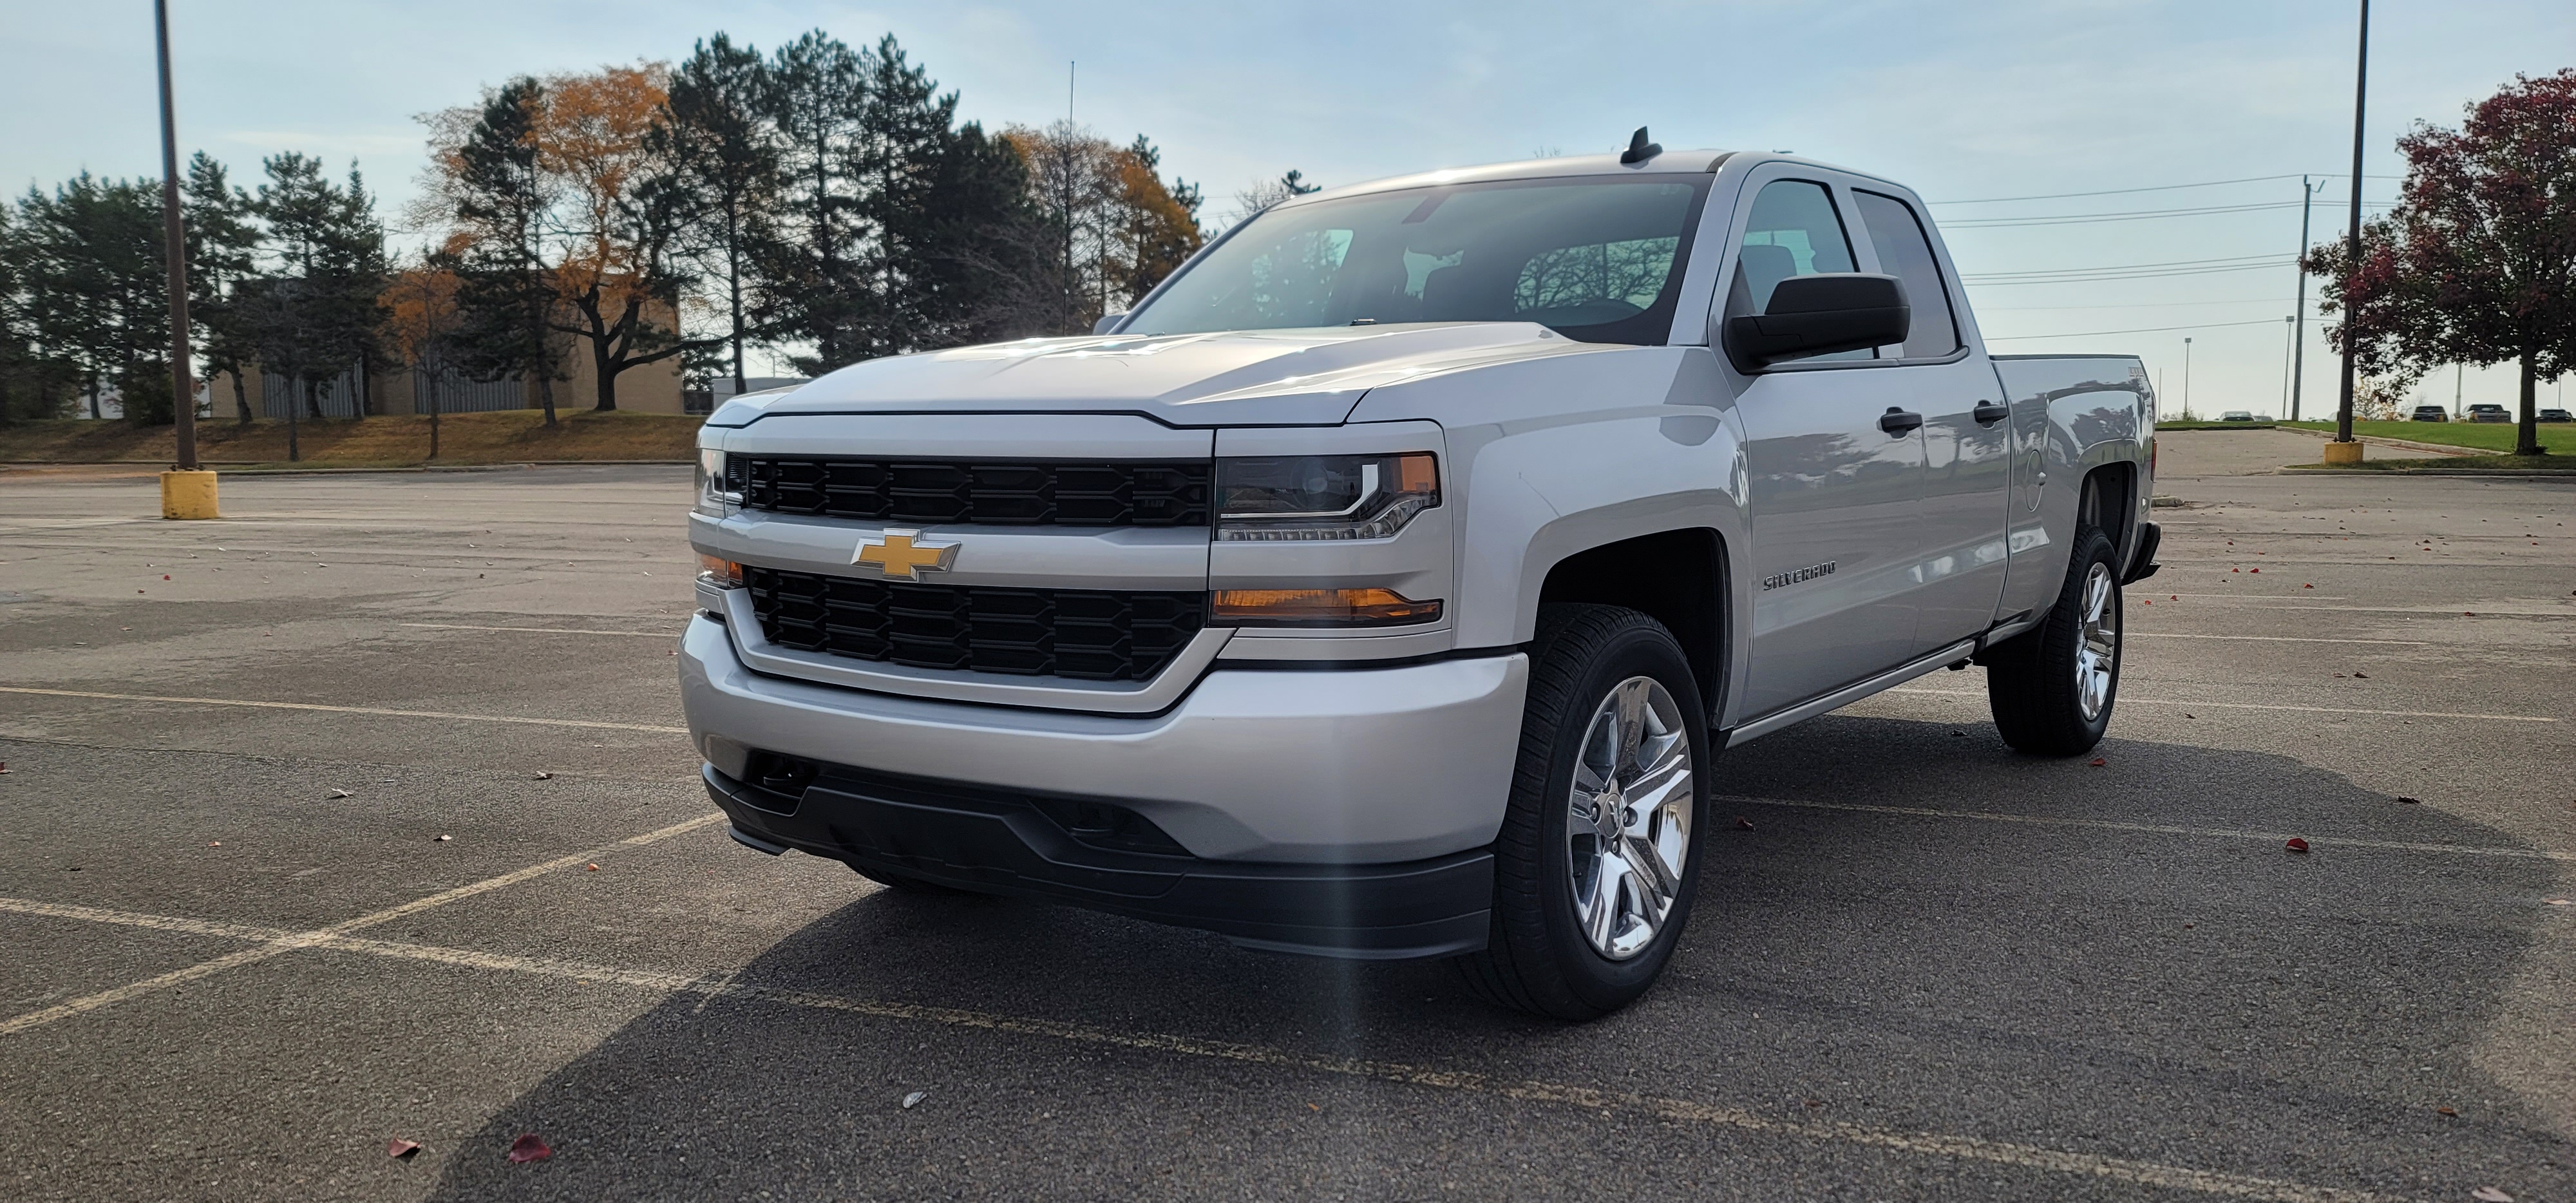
[(1323, 497), (713, 500)]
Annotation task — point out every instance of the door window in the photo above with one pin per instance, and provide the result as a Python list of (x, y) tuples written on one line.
[(1792, 231), (1906, 253)]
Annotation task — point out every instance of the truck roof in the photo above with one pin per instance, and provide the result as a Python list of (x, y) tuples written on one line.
[(1689, 161)]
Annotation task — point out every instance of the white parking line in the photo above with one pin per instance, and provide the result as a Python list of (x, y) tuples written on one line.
[(479, 718), (1689, 1111), (454, 626), (1993, 816), (282, 944), (2493, 718), (2279, 638)]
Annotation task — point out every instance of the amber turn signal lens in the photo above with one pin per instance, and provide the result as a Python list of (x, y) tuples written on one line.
[(721, 570), (1321, 607)]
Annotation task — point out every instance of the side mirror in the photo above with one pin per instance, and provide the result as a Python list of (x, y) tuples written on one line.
[(1108, 322), (1819, 315)]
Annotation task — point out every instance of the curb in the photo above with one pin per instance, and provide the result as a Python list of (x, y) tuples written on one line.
[(2384, 441)]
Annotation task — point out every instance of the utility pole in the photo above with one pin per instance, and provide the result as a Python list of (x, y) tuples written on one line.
[(2288, 342), (186, 492), (2352, 246), (1069, 65), (2299, 338), (2458, 372), (2186, 373)]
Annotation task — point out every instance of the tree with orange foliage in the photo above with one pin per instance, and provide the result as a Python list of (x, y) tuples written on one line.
[(1112, 228)]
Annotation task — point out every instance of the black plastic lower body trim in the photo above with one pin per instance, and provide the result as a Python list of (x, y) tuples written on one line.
[(2142, 562), (1004, 842)]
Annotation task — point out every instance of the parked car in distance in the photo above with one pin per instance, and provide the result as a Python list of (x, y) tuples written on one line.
[(2430, 413), (2489, 413), (2236, 415), (2555, 415)]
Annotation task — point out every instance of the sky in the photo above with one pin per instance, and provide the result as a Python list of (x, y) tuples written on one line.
[(1964, 102)]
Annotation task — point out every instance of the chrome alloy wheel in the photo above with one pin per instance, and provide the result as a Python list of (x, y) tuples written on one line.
[(2097, 658), (1628, 826)]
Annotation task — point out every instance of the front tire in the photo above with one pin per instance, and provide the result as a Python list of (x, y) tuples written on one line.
[(1596, 867), (2051, 690)]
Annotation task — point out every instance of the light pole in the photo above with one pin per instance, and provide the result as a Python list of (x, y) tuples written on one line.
[(186, 492), (2344, 450)]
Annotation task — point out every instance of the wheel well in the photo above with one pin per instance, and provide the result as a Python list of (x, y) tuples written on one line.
[(2109, 501), (1677, 578)]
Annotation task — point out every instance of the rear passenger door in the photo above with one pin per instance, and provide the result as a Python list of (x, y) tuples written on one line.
[(1836, 483), (1958, 565)]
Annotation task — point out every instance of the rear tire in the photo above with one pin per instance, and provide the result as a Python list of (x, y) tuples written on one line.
[(1587, 909), (2052, 689)]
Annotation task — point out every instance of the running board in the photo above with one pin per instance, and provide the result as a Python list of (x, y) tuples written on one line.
[(1849, 694)]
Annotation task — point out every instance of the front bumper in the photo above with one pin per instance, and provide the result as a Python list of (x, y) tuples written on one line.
[(1298, 787)]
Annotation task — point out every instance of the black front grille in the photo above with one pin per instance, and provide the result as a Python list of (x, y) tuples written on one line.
[(1089, 634), (1060, 493)]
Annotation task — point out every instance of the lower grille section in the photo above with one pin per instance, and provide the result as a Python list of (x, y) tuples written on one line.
[(1086, 634)]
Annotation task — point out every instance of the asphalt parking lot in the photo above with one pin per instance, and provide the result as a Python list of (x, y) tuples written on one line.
[(365, 814)]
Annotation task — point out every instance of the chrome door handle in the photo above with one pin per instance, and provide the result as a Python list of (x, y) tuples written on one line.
[(1898, 421), (1987, 413)]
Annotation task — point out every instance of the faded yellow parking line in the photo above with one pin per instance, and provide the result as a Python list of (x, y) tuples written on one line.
[(2495, 718), (377, 710), (1928, 1144), (1997, 816), (456, 626), (291, 941)]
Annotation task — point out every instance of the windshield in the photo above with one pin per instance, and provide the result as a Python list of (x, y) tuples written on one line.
[(1597, 259)]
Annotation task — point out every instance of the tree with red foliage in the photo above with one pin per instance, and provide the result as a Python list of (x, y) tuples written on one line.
[(2477, 263)]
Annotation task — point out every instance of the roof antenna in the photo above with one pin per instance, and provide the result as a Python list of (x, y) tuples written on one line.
[(1639, 150)]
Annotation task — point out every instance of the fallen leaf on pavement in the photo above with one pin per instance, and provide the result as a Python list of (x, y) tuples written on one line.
[(2098, 762), (2411, 801), (2361, 676), (400, 1149), (2489, 1194), (1743, 824), (2561, 901), (444, 838), (528, 1148), (545, 776), (594, 868), (341, 793), (914, 1099), (2307, 586), (2297, 845), (4, 766)]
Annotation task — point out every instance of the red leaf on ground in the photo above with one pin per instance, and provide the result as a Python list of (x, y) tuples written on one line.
[(165, 576), (2098, 762), (2298, 845), (400, 1149), (1743, 824), (2256, 571), (2307, 586), (528, 1148)]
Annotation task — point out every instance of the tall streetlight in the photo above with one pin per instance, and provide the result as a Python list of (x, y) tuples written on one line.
[(2343, 450), (186, 492)]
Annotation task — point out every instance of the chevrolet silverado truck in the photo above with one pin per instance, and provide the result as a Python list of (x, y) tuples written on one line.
[(1385, 583)]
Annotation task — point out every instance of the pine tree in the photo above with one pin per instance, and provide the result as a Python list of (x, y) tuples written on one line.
[(224, 241), (727, 157), (817, 287), (499, 200)]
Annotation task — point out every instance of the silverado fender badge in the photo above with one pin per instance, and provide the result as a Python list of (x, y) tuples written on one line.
[(902, 556), (1808, 573)]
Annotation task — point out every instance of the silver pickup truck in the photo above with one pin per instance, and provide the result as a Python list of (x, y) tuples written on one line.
[(1385, 583)]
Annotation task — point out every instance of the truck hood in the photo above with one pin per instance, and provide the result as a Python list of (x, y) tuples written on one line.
[(1310, 377)]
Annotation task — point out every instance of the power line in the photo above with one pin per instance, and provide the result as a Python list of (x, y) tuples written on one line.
[(2132, 305), (2120, 267), (2251, 179), (2079, 219), (2140, 330), (2097, 278)]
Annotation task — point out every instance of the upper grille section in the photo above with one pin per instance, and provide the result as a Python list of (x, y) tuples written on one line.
[(1086, 634), (1026, 493)]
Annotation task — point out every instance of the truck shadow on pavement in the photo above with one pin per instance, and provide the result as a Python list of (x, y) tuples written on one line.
[(2200, 997)]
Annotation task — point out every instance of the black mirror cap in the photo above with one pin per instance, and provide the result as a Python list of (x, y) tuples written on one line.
[(1820, 315)]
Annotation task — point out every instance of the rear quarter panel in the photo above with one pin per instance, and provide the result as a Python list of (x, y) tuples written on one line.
[(2071, 414)]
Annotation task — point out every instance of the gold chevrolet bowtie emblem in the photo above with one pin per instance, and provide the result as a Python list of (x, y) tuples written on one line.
[(902, 557)]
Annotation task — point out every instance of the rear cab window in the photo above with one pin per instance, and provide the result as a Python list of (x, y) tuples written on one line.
[(1905, 252)]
